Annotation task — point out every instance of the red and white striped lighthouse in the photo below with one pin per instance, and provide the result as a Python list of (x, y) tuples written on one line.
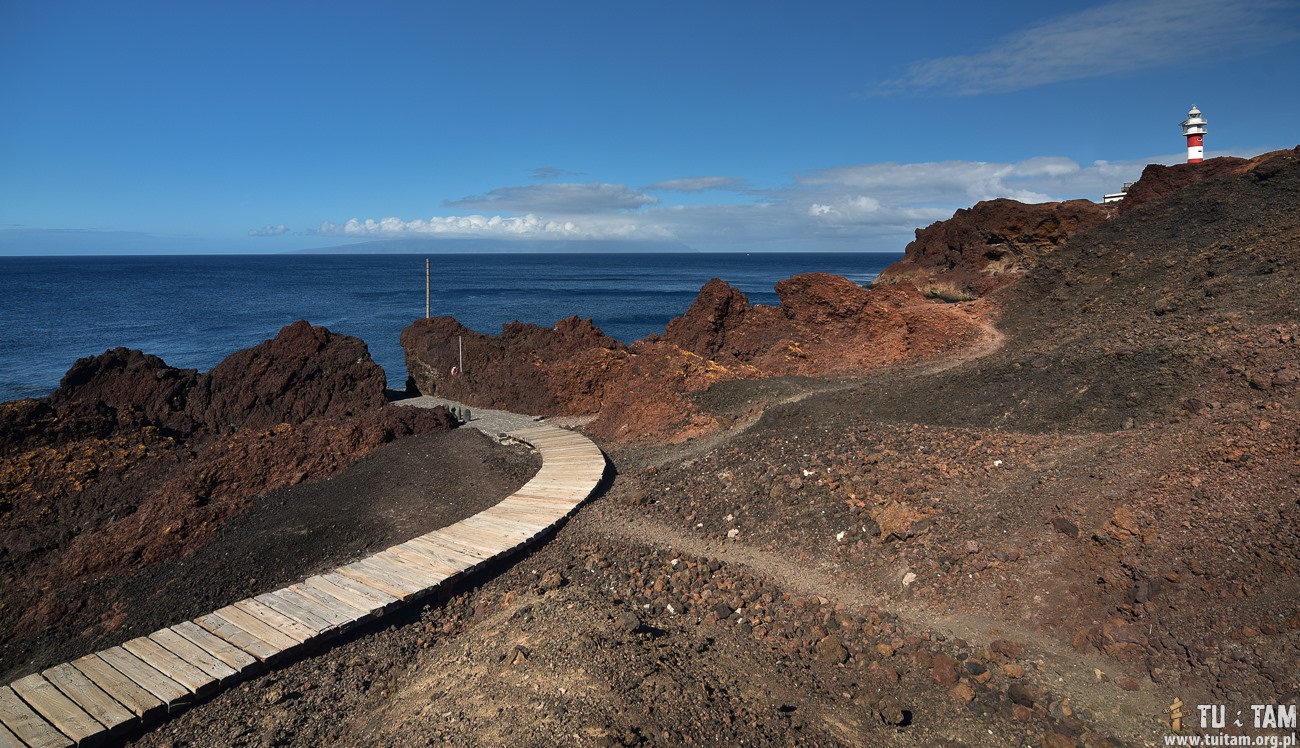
[(1194, 129)]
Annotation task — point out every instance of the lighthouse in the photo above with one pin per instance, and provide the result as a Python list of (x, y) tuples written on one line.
[(1194, 129)]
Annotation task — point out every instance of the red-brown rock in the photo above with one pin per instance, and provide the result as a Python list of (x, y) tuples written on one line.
[(304, 372), (1158, 180), (527, 368), (984, 247), (123, 388), (704, 329)]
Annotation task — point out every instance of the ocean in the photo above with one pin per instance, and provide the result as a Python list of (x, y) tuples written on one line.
[(193, 311)]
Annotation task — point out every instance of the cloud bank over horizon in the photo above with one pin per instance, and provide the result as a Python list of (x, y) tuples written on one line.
[(876, 205)]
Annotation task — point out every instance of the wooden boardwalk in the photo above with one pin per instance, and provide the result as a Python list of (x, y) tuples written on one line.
[(87, 701)]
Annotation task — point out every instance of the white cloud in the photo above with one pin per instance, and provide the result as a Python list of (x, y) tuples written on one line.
[(527, 226), (1114, 38), (700, 184), (559, 198), (269, 230), (865, 206)]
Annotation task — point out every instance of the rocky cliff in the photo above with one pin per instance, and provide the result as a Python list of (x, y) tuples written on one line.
[(131, 461), (824, 324), (988, 245)]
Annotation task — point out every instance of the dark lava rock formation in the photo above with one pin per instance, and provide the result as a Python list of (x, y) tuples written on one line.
[(1158, 180), (990, 244), (304, 372), (824, 324), (131, 461), (526, 368)]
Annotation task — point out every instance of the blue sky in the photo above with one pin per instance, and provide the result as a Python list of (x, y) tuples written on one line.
[(266, 127)]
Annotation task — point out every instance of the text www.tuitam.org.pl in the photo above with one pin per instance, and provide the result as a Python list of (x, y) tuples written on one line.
[(1278, 719)]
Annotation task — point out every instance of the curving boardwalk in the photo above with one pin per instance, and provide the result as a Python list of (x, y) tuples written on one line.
[(86, 701)]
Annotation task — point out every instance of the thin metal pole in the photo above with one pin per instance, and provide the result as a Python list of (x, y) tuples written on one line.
[(460, 343), (426, 288)]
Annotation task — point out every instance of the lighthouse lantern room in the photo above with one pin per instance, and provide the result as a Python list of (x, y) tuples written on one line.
[(1194, 129)]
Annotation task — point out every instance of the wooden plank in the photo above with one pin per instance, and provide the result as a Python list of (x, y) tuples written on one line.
[(352, 585), (462, 560), (237, 637), (60, 711), (384, 563), (248, 612), (338, 615), (315, 592), (8, 739), (232, 656), (434, 574), (26, 725), (166, 662), (169, 691), (486, 540), (464, 542), (195, 655), (509, 530), (436, 538), (280, 641), (127, 692), (558, 506), (295, 612), (587, 450), (90, 697), (546, 492), (424, 573), (352, 591), (566, 482), (398, 589), (422, 559), (380, 565), (496, 520), (542, 519)]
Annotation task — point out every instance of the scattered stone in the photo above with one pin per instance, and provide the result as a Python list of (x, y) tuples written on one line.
[(1126, 683), (1009, 650), (831, 651), (552, 579), (628, 622), (944, 670), (896, 520), (1020, 694), (1065, 527), (889, 711), (963, 693)]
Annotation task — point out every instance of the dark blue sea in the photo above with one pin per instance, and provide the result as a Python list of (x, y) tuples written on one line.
[(193, 311)]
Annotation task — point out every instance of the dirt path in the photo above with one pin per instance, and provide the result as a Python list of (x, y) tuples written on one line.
[(991, 339), (1063, 669)]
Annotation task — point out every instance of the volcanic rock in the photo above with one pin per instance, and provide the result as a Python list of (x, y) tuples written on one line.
[(304, 372), (123, 388), (984, 247), (718, 311), (527, 368), (1158, 180)]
